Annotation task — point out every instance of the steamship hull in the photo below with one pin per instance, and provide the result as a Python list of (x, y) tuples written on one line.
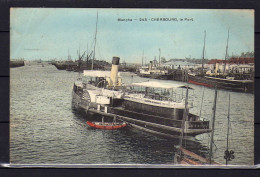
[(246, 86), (159, 120), (148, 118), (103, 96)]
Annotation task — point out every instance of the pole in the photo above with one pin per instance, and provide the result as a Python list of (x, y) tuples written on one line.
[(226, 53), (203, 55), (79, 62), (68, 54), (202, 101), (185, 114), (87, 57), (92, 66), (159, 57), (143, 58), (213, 126)]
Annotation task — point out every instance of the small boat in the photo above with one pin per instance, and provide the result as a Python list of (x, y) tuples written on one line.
[(190, 158), (107, 125)]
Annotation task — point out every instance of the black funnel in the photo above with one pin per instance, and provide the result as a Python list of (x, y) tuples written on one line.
[(115, 60)]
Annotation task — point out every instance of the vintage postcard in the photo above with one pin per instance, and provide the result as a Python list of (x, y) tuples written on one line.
[(132, 87)]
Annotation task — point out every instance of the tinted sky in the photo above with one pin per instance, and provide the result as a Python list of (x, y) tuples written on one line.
[(41, 33)]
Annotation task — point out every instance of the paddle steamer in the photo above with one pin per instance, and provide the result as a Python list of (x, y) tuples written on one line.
[(150, 106)]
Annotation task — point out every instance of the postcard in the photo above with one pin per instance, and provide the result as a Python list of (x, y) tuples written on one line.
[(131, 87)]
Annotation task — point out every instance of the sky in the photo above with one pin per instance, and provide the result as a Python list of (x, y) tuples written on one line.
[(52, 33)]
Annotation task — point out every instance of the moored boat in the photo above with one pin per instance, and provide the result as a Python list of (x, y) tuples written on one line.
[(154, 72), (191, 158), (14, 64), (222, 79), (154, 107), (246, 86), (107, 125)]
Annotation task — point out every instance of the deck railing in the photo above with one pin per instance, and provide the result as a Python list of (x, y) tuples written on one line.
[(154, 98)]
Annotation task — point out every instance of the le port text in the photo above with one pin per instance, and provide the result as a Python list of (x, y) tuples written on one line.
[(155, 19)]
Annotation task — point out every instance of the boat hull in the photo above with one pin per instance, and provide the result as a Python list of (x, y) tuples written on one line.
[(161, 124), (246, 86), (106, 126), (191, 158)]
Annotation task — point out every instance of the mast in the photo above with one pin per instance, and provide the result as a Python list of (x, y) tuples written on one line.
[(159, 57), (79, 61), (68, 54), (203, 54), (87, 57), (185, 114), (94, 44), (226, 53), (213, 126), (79, 52), (143, 58)]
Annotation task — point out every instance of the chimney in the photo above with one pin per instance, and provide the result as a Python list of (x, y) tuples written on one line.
[(150, 65), (114, 71)]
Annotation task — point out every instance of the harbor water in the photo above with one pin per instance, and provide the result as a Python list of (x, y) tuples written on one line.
[(44, 129)]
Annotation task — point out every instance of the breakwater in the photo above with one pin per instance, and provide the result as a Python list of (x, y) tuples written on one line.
[(14, 64)]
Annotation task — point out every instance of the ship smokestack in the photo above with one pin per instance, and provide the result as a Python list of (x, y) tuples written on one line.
[(114, 71), (150, 65)]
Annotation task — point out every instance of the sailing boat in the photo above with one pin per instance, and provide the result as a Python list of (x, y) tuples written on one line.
[(186, 157), (220, 80), (90, 62), (70, 64)]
